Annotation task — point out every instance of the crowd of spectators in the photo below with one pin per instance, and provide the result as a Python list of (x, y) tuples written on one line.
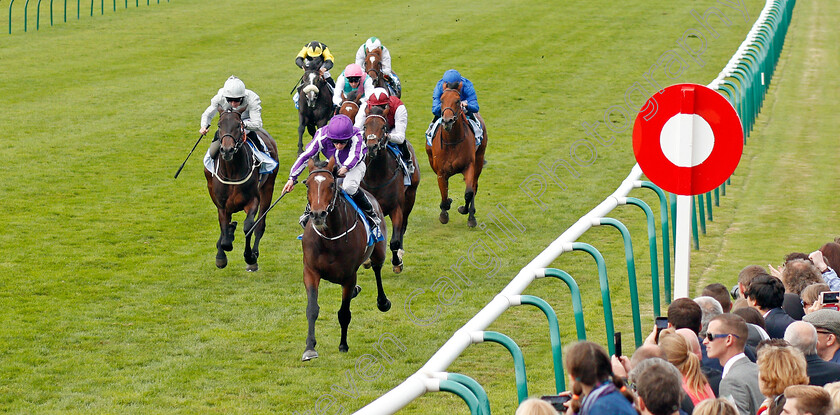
[(768, 346)]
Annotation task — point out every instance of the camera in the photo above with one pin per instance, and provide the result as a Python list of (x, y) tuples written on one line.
[(557, 401), (830, 299)]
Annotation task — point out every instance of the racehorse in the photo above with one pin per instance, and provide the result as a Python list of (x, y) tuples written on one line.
[(235, 185), (384, 180), (334, 245), (373, 68), (350, 104), (315, 107), (454, 151)]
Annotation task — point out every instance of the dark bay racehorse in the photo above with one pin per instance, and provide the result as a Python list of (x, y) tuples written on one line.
[(234, 185), (350, 104), (314, 104), (453, 151), (334, 246), (384, 180), (373, 68)]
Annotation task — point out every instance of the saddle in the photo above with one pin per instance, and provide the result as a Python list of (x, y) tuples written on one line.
[(401, 163), (475, 125)]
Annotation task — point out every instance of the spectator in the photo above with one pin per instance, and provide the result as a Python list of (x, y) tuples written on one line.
[(827, 259), (719, 292), (778, 368), (746, 276), (535, 406), (621, 366), (810, 295), (739, 303), (595, 390), (710, 307), (802, 400), (827, 324), (755, 326), (833, 389), (719, 406), (766, 295), (678, 352), (803, 336), (797, 275), (685, 313), (725, 340), (658, 386)]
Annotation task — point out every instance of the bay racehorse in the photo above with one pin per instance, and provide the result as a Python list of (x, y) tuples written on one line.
[(373, 68), (453, 150), (314, 104), (234, 185), (384, 180), (334, 246), (350, 104)]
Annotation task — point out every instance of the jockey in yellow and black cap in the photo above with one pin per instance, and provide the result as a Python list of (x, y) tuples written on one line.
[(316, 55)]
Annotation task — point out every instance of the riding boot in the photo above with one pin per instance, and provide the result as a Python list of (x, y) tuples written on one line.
[(213, 151), (305, 217), (406, 156), (364, 204)]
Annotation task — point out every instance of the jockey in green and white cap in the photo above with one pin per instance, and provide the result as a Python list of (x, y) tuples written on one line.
[(373, 43)]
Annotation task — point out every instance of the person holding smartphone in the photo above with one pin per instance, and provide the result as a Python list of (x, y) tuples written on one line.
[(595, 389)]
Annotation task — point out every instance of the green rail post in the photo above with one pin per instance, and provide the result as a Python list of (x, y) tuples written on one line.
[(78, 9), (605, 290), (518, 361), (702, 213), (709, 206), (666, 244), (717, 196), (475, 388), (464, 393), (654, 265), (554, 333), (51, 12), (25, 15), (91, 8), (577, 304), (38, 16), (10, 16), (631, 275), (694, 233), (673, 199)]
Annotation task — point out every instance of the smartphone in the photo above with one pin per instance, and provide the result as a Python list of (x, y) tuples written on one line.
[(617, 339), (661, 324), (557, 401), (830, 299)]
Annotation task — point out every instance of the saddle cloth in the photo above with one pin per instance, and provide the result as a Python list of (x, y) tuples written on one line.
[(474, 124), (267, 164), (400, 162), (374, 234)]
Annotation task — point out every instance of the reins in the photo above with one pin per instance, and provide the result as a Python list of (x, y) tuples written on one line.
[(236, 147), (331, 206)]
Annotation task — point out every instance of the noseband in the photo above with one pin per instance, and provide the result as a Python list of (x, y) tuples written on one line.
[(331, 206), (380, 143)]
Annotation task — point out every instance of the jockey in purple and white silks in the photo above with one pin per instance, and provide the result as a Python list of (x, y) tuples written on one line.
[(341, 139)]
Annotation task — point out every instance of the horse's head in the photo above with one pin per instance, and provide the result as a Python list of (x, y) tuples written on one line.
[(373, 65), (376, 123), (310, 86), (450, 105), (321, 191), (231, 133)]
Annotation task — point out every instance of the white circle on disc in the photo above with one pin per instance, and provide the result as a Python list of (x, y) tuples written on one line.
[(702, 144)]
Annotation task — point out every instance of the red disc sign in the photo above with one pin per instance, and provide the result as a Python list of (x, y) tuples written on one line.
[(692, 141)]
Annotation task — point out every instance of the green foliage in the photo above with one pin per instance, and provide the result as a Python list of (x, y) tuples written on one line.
[(108, 293)]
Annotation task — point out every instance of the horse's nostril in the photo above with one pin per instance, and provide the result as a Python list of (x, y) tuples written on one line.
[(323, 214)]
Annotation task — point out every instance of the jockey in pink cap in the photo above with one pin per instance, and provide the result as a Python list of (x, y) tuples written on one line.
[(353, 78)]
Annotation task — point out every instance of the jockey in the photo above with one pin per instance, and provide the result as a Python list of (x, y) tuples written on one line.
[(233, 95), (315, 55), (469, 101), (397, 121), (340, 139), (371, 44), (353, 78)]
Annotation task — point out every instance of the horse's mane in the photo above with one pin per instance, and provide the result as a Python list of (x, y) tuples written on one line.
[(321, 163), (351, 96)]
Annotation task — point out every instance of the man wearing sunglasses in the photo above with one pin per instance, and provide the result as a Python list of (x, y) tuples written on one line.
[(725, 341), (353, 78), (234, 96)]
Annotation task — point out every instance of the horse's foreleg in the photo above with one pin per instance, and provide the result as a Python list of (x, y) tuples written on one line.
[(225, 242), (377, 259), (311, 282), (398, 229), (471, 181), (301, 129), (251, 212), (265, 202), (348, 291), (445, 201)]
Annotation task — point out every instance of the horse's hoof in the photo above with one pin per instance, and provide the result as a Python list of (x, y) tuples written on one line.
[(343, 348), (309, 355), (398, 268), (463, 210), (471, 222), (367, 264), (221, 262), (252, 267), (356, 291), (444, 217), (385, 306)]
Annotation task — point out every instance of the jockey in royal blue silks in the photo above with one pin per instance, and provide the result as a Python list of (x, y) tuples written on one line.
[(469, 101), (341, 139)]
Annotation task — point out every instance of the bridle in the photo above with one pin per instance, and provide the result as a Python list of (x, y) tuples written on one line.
[(310, 84), (457, 114), (237, 145), (381, 143), (331, 206)]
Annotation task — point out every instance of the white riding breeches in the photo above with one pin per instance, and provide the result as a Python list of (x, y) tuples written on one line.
[(353, 178)]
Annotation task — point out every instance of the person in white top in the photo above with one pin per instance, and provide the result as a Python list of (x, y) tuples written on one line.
[(234, 95), (372, 44), (396, 117)]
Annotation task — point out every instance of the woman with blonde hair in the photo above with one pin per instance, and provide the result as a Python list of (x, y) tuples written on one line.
[(678, 352), (535, 406), (719, 406), (778, 368)]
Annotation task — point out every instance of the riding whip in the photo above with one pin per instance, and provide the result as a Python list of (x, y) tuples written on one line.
[(188, 156), (247, 234)]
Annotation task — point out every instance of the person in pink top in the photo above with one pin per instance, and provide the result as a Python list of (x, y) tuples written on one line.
[(681, 353)]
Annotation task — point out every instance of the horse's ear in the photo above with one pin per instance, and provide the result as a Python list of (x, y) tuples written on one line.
[(311, 164), (331, 164)]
